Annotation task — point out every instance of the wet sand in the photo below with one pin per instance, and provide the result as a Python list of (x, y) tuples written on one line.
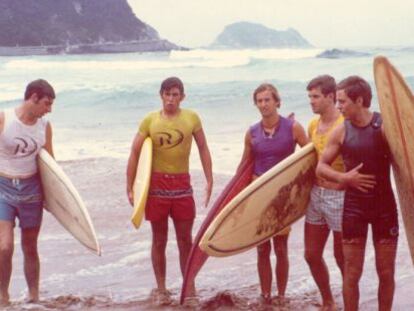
[(73, 278)]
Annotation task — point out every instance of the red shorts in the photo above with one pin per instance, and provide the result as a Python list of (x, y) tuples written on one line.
[(170, 194)]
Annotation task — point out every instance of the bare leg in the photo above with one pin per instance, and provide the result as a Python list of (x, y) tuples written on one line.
[(315, 241), (159, 244), (385, 251), (338, 251), (282, 264), (31, 261), (6, 254), (264, 268), (354, 253), (183, 229)]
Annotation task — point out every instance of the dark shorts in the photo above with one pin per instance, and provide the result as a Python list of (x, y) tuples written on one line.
[(170, 195), (359, 213), (22, 199)]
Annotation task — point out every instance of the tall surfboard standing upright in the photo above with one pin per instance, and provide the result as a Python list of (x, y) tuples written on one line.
[(63, 201), (142, 182), (396, 103)]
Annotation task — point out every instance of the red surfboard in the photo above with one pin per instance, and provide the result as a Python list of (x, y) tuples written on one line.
[(197, 257)]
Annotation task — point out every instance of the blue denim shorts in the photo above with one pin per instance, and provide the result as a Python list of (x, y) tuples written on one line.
[(21, 198)]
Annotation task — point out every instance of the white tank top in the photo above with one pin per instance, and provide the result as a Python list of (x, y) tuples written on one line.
[(20, 144)]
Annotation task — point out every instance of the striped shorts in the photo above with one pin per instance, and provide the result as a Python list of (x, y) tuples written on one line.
[(326, 207)]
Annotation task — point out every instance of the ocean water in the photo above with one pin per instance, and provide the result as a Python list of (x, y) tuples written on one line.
[(102, 98), (100, 102)]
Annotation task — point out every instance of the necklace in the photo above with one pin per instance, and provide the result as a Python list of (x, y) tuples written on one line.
[(270, 131)]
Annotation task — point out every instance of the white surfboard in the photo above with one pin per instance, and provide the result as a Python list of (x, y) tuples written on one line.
[(142, 182), (397, 110), (63, 201), (268, 205)]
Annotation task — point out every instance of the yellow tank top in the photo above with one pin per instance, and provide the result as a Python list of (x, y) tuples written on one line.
[(319, 140), (171, 139)]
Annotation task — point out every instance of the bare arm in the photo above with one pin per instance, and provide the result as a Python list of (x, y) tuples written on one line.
[(1, 121), (299, 134), (49, 145), (330, 153), (386, 142), (206, 162), (247, 152), (352, 178), (132, 165)]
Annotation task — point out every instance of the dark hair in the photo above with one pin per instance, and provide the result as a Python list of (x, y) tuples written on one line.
[(41, 87), (354, 87), (325, 83), (267, 87), (171, 82)]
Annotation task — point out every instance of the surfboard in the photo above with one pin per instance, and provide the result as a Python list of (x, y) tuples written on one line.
[(197, 257), (268, 205), (142, 182), (396, 103), (63, 201)]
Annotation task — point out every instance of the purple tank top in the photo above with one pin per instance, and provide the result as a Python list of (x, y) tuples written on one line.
[(270, 150)]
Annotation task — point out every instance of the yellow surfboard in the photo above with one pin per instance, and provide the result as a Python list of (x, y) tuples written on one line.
[(397, 109), (63, 201), (142, 182), (268, 205)]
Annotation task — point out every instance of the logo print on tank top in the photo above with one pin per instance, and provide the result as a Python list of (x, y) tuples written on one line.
[(168, 140), (25, 146)]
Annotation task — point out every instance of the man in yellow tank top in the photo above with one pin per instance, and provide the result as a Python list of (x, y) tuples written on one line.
[(170, 194), (326, 204)]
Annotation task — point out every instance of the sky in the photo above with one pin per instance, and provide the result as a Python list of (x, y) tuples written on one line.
[(324, 23)]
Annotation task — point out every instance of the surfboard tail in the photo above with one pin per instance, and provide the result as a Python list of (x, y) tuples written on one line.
[(197, 257)]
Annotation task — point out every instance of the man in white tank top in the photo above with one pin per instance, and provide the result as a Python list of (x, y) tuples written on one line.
[(23, 132)]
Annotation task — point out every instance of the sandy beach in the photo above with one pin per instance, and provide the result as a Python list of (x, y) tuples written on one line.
[(73, 278), (105, 86)]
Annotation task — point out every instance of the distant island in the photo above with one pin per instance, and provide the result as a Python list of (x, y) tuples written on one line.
[(74, 27), (243, 35), (337, 53)]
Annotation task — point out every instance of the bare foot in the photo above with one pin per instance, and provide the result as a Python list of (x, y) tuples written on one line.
[(329, 307), (4, 301), (191, 302), (33, 298), (192, 292), (161, 297), (265, 299), (280, 301)]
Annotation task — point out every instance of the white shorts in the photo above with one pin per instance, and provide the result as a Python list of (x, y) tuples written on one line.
[(325, 208)]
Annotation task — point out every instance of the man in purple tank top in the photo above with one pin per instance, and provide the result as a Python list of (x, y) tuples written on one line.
[(268, 142)]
